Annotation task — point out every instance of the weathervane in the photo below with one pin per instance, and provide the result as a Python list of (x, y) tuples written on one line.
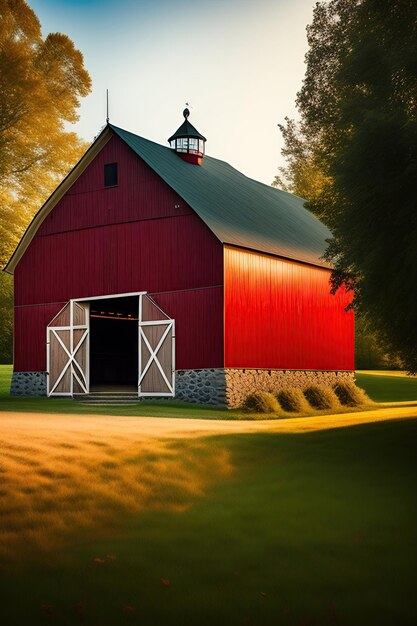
[(186, 111), (107, 105)]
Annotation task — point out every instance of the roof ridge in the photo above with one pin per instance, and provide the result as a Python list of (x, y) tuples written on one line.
[(239, 210), (118, 128), (211, 158)]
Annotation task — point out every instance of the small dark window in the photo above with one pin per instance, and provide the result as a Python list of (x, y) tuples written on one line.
[(110, 175)]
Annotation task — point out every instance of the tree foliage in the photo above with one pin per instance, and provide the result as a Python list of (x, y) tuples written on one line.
[(304, 174), (41, 82), (358, 130)]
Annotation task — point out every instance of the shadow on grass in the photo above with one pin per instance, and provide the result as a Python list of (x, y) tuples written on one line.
[(314, 528)]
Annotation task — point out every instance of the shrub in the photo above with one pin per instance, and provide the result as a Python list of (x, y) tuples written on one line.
[(321, 397), (349, 394), (293, 400), (261, 402)]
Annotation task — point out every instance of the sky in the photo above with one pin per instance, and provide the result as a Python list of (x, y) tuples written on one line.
[(238, 63)]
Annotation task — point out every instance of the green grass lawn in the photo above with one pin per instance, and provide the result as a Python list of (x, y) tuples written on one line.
[(388, 388), (307, 529)]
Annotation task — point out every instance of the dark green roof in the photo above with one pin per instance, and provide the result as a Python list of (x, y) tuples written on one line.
[(239, 210), (187, 130)]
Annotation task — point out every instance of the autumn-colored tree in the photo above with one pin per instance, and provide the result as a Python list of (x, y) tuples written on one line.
[(358, 133), (41, 82)]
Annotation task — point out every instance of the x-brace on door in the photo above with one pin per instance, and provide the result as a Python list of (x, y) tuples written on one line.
[(68, 350), (156, 350)]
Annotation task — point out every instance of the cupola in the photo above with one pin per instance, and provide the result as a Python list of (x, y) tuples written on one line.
[(187, 142)]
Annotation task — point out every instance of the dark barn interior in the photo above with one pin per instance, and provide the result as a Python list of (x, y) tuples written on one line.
[(114, 343)]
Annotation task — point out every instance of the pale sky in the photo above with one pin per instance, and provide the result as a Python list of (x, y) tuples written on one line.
[(239, 63)]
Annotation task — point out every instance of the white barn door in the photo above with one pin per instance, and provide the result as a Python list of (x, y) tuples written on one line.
[(156, 350), (67, 345)]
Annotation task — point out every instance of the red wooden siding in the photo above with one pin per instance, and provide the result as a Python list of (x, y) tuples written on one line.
[(198, 318), (140, 194), (151, 255), (30, 324), (281, 315), (138, 236)]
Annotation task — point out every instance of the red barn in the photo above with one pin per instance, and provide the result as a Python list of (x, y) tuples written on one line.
[(164, 272)]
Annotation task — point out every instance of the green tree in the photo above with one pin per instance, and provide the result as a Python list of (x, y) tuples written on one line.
[(358, 125), (303, 174), (41, 82)]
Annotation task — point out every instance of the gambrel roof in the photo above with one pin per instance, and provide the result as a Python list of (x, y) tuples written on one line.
[(239, 211)]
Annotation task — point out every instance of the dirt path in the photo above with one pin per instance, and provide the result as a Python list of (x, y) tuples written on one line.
[(41, 424)]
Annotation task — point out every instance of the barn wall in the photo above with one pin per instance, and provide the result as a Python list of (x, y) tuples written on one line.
[(139, 236), (166, 254), (280, 315)]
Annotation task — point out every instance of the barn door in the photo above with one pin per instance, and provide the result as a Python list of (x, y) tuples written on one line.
[(68, 350), (156, 350)]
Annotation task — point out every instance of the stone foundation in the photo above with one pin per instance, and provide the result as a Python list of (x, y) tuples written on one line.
[(217, 387), (28, 384), (241, 382), (207, 386), (230, 387)]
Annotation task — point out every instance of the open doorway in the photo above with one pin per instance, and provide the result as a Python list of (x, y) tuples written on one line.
[(114, 344)]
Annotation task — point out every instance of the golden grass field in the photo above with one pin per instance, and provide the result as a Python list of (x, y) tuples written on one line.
[(62, 475)]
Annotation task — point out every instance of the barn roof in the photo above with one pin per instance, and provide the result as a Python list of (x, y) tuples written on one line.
[(240, 211)]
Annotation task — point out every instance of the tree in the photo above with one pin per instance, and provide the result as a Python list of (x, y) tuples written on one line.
[(41, 82), (303, 175), (358, 126)]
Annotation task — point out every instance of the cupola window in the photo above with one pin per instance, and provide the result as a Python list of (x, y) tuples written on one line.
[(182, 144)]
